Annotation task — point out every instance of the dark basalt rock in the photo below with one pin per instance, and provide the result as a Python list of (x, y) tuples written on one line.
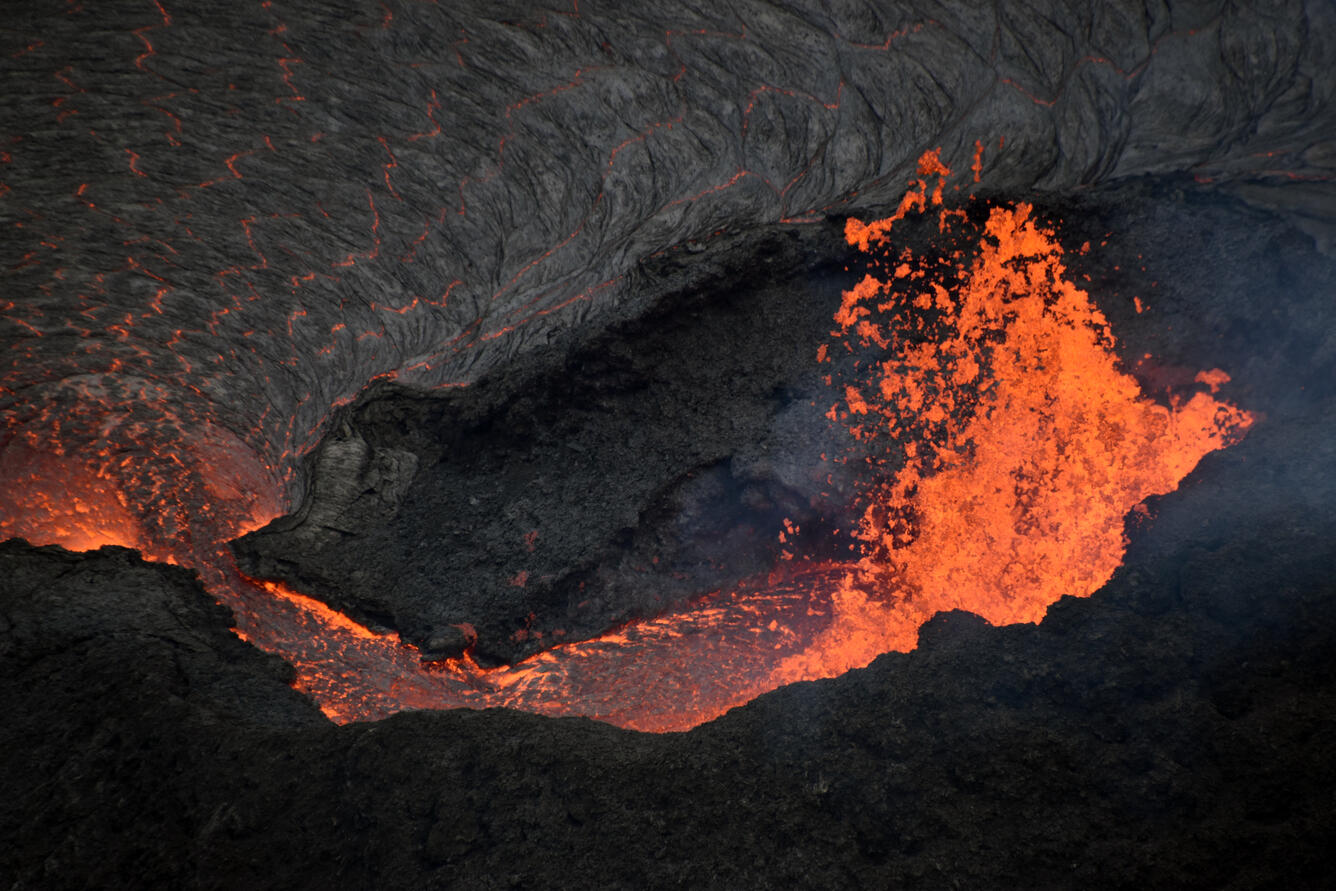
[(450, 642), (656, 462), (615, 227), (159, 636), (1175, 730)]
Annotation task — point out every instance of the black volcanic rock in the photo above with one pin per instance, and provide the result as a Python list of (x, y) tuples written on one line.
[(224, 222), (165, 634), (1178, 729)]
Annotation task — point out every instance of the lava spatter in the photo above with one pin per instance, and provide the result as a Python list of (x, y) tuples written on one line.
[(1021, 444), (1007, 448)]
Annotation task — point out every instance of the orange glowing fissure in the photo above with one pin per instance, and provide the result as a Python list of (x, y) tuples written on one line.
[(1008, 446)]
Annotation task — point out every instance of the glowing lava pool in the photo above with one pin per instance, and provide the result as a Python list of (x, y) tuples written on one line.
[(1009, 449)]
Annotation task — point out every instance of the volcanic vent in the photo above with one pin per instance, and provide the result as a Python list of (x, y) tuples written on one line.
[(996, 447)]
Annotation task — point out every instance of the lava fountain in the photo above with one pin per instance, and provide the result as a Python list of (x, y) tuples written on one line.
[(1007, 448)]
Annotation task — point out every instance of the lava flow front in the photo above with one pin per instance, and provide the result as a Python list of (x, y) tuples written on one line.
[(1007, 445)]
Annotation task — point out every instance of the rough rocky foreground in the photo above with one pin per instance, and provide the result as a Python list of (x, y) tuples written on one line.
[(1176, 730), (243, 214)]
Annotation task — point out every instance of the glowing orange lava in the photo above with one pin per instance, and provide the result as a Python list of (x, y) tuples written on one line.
[(1007, 446), (1024, 446), (62, 500), (1018, 447), (98, 461)]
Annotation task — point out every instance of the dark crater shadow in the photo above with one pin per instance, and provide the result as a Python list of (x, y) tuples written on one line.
[(607, 481)]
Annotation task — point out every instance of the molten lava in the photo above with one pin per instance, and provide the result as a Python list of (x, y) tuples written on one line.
[(1022, 446), (1006, 450)]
